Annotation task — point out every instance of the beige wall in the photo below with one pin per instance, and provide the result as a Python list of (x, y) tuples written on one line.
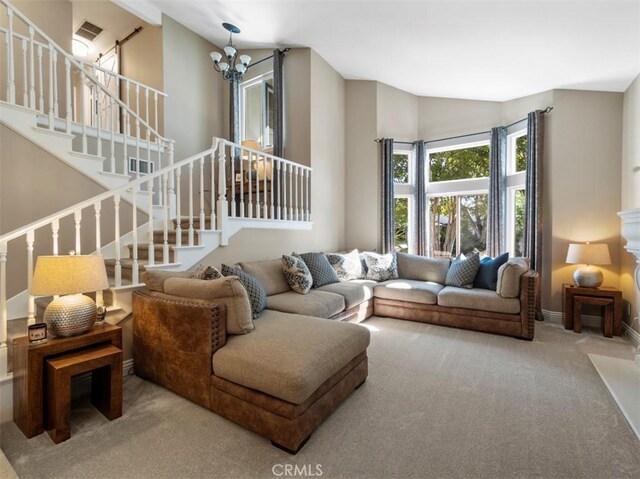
[(630, 191), (193, 111), (362, 166), (142, 60), (397, 113), (582, 183)]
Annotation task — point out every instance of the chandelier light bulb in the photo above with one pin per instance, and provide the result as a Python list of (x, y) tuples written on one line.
[(229, 51), (245, 60), (216, 57)]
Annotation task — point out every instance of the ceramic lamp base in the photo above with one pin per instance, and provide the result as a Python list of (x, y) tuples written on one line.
[(70, 315), (587, 276)]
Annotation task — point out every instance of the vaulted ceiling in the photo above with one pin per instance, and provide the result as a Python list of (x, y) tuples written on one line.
[(476, 49)]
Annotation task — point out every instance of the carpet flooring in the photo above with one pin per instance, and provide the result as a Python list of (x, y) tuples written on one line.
[(438, 403)]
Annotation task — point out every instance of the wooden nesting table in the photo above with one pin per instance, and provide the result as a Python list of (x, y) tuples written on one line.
[(575, 297), (42, 374)]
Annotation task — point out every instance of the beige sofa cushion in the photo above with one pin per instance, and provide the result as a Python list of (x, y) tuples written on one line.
[(477, 298), (155, 278), (316, 303), (284, 356), (509, 277), (411, 266), (408, 290), (226, 291), (353, 292), (269, 273)]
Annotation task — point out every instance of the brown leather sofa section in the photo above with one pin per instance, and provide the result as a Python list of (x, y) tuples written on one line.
[(518, 325), (174, 340)]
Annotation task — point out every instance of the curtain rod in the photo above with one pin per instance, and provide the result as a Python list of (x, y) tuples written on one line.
[(546, 110), (267, 58)]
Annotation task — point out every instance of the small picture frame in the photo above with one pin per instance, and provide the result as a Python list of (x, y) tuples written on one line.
[(37, 332), (238, 177)]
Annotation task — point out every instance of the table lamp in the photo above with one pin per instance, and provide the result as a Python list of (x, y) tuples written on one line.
[(71, 276), (589, 254)]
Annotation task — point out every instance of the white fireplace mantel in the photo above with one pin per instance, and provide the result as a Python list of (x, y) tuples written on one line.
[(631, 232)]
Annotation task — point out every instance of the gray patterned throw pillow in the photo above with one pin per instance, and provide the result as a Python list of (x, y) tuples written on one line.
[(255, 290), (381, 267), (321, 271), (206, 272), (297, 274), (463, 270), (347, 265)]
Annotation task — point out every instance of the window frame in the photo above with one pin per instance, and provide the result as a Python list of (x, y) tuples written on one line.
[(264, 114), (407, 190), (401, 149), (514, 181), (410, 219), (461, 187)]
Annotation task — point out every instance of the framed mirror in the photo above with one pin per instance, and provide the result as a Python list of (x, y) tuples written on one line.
[(257, 110)]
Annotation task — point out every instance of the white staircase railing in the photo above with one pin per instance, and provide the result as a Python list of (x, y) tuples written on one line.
[(223, 184), (43, 77)]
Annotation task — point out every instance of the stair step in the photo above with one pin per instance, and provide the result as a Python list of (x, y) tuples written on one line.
[(126, 266), (158, 252), (184, 223), (158, 237)]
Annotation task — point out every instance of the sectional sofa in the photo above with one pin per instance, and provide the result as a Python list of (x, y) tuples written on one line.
[(283, 373)]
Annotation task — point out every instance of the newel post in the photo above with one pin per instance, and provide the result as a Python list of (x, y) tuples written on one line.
[(222, 213), (3, 309)]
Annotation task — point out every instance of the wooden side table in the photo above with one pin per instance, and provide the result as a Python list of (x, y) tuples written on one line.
[(574, 297), (29, 371), (105, 364)]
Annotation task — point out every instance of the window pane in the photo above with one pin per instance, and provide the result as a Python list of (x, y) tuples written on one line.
[(401, 168), (460, 164), (521, 153), (473, 224), (518, 242), (402, 224), (442, 226)]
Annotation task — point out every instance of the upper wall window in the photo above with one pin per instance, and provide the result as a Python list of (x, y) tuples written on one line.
[(459, 164), (517, 152), (401, 167)]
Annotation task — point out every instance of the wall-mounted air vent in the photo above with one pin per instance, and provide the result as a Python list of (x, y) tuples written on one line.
[(88, 31)]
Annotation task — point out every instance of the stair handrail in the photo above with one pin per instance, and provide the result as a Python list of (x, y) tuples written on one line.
[(89, 76), (87, 64), (262, 153), (18, 232)]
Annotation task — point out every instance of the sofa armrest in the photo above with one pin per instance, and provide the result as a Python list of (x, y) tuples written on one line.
[(174, 339), (528, 289)]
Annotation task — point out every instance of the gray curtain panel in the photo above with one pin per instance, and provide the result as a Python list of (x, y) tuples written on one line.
[(533, 201), (278, 104), (388, 217), (421, 198), (496, 237)]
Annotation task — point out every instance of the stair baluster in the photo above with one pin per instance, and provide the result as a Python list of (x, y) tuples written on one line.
[(51, 96), (179, 206), (242, 177), (68, 108), (165, 218), (265, 205), (40, 82), (212, 192), (3, 309), (11, 86), (77, 218), (83, 110), (256, 176), (55, 228), (32, 81), (98, 115), (271, 208), (118, 266), (190, 204), (151, 250), (249, 175), (112, 140), (202, 217), (25, 88), (54, 74), (290, 215), (134, 232), (279, 197), (31, 307)]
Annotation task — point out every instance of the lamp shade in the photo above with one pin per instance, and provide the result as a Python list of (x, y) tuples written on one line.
[(216, 56), (588, 253), (57, 275)]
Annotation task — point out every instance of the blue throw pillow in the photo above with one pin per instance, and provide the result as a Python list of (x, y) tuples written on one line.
[(487, 276)]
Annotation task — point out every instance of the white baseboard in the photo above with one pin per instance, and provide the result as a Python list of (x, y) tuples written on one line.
[(593, 322), (80, 386)]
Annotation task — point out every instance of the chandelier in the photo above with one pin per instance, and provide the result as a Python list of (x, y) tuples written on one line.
[(235, 65)]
